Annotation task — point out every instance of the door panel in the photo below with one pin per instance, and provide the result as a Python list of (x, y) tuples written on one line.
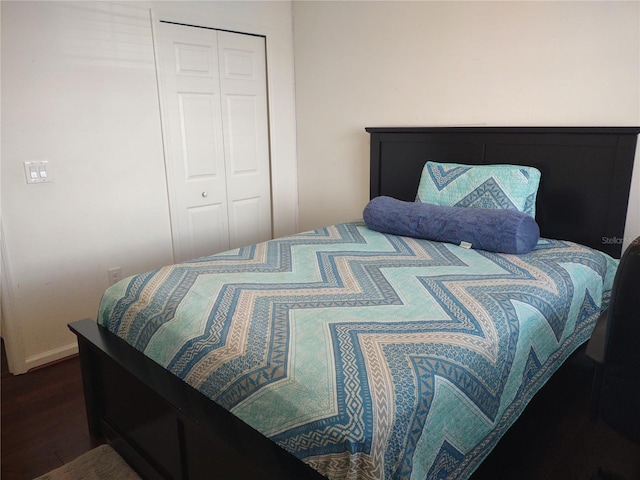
[(244, 216), (239, 64), (199, 122), (243, 141), (194, 59), (205, 235)]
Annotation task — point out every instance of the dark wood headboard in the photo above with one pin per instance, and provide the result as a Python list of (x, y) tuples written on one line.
[(586, 171)]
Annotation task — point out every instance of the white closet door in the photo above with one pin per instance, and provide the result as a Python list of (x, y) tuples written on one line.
[(246, 142), (209, 136)]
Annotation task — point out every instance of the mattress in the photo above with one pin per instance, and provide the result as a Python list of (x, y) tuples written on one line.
[(368, 355)]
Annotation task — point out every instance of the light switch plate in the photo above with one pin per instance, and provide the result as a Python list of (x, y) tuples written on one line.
[(37, 172)]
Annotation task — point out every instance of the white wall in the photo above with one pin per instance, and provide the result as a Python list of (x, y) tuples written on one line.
[(79, 89), (361, 64)]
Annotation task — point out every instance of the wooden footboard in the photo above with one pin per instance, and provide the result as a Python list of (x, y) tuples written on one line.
[(165, 428)]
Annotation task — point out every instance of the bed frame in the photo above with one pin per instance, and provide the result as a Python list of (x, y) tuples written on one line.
[(166, 429)]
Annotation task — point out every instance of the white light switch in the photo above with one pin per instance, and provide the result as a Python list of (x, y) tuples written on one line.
[(37, 172)]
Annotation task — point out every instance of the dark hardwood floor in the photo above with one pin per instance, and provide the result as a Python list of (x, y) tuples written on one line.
[(44, 426)]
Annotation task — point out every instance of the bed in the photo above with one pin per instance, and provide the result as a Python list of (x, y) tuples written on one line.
[(346, 352)]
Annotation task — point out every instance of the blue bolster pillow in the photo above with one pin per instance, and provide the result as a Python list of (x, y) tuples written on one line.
[(495, 230)]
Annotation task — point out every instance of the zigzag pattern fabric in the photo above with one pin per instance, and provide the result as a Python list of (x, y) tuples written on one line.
[(479, 186), (367, 355)]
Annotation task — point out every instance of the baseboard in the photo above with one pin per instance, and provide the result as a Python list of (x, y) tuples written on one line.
[(51, 356)]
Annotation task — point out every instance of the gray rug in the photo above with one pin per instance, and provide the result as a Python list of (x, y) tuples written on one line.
[(101, 463)]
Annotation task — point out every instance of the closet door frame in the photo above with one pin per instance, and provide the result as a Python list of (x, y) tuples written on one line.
[(205, 196)]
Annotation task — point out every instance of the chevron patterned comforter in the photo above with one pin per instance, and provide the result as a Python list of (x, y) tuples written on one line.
[(369, 356)]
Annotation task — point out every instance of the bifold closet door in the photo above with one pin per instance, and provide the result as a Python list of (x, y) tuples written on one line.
[(215, 132)]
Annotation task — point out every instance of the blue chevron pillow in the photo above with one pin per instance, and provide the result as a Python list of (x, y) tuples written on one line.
[(494, 230), (510, 187)]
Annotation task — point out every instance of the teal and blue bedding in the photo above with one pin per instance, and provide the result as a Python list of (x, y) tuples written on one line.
[(368, 355)]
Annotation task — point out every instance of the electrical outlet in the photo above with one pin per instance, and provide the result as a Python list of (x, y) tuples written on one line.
[(115, 275)]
